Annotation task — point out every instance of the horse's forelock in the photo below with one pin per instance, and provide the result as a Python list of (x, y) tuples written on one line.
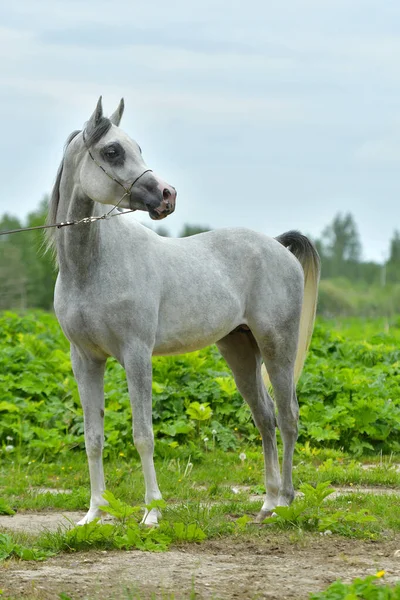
[(93, 135)]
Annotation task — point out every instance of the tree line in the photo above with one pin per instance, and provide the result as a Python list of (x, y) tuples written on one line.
[(27, 273)]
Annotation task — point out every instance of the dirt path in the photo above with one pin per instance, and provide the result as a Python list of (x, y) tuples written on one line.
[(272, 567)]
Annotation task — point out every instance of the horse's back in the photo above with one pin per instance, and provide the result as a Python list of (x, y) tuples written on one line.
[(237, 252)]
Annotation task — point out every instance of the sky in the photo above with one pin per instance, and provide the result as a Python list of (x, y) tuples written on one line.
[(268, 115)]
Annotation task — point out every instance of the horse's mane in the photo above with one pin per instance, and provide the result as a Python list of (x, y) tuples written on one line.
[(92, 138)]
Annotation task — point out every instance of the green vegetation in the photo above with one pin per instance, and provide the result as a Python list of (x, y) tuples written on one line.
[(348, 395), (27, 275), (349, 390), (309, 513), (218, 497), (363, 589), (346, 298), (208, 452), (10, 549)]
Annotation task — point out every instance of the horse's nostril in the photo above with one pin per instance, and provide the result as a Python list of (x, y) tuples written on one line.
[(166, 194)]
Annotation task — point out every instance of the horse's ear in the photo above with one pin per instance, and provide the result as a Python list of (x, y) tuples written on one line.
[(96, 116), (117, 115)]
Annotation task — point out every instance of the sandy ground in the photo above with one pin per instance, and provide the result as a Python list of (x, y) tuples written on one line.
[(272, 567)]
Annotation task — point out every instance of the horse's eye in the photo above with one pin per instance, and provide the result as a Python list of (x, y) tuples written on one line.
[(111, 152), (114, 153)]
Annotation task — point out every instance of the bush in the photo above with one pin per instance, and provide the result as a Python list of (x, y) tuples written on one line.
[(348, 394)]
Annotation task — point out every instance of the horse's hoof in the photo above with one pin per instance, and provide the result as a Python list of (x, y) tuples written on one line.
[(150, 519), (89, 517), (150, 525), (263, 514)]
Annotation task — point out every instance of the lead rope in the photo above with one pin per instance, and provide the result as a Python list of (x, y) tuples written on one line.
[(67, 223), (92, 219)]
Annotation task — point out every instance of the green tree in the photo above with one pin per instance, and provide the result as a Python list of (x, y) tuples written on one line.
[(12, 268), (188, 230), (394, 255), (341, 247), (42, 272), (27, 274), (163, 231), (393, 264)]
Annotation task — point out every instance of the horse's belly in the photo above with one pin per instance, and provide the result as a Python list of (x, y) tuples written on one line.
[(182, 346), (197, 314), (174, 338)]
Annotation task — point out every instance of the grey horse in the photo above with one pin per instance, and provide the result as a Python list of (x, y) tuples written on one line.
[(124, 291)]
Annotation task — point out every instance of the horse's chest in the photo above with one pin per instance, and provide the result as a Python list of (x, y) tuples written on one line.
[(81, 325), (78, 312), (101, 321)]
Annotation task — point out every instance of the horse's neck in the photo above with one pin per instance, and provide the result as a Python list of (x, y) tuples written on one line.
[(77, 245)]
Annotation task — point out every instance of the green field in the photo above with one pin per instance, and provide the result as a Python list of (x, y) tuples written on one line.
[(349, 394), (208, 452)]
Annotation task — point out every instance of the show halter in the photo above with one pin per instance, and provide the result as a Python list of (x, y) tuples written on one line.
[(108, 215)]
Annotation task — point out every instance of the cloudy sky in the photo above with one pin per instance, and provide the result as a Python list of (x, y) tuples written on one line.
[(270, 115)]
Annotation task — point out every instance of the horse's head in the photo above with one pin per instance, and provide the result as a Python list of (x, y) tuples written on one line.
[(112, 168)]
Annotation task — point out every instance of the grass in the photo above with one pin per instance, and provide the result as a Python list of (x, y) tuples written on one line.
[(215, 497), (209, 493), (363, 589), (23, 483), (213, 493)]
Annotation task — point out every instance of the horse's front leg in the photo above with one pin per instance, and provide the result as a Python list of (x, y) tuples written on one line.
[(139, 374), (89, 375)]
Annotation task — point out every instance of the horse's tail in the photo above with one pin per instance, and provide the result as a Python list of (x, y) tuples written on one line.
[(305, 252)]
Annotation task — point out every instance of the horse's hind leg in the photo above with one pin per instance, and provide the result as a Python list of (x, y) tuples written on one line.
[(288, 416), (241, 352), (279, 359), (89, 375)]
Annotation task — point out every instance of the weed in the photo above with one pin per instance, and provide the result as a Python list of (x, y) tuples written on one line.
[(348, 397), (126, 532), (362, 589), (9, 549), (312, 514), (5, 509)]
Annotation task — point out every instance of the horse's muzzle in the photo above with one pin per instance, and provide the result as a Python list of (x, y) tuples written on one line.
[(154, 195), (167, 204)]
